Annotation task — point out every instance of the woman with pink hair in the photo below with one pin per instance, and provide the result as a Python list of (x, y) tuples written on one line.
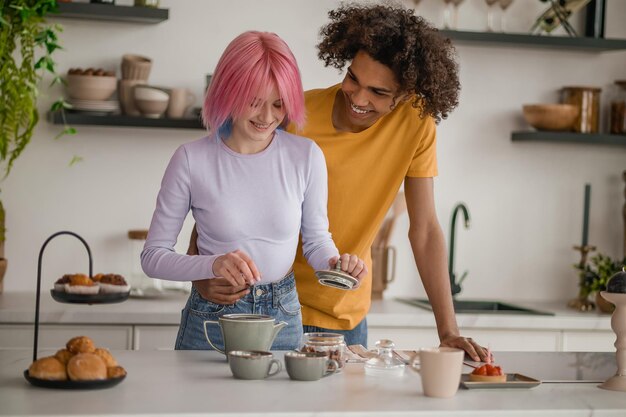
[(252, 189)]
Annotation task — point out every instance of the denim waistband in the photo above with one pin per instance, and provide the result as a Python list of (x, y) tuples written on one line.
[(269, 291)]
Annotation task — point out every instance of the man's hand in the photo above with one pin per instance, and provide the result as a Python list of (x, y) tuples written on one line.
[(473, 349), (350, 264), (220, 291)]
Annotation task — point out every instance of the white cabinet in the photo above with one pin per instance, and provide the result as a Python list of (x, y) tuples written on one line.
[(403, 337), (502, 340), (52, 336), (154, 337), (588, 341)]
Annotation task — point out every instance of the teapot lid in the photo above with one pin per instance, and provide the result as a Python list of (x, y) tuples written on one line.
[(247, 317), (384, 363)]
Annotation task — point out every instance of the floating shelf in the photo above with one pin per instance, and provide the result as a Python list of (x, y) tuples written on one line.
[(536, 41), (96, 11), (570, 137), (118, 120)]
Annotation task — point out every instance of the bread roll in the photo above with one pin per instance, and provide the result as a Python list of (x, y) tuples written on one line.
[(86, 367), (63, 355), (48, 368), (106, 356), (80, 344), (115, 372)]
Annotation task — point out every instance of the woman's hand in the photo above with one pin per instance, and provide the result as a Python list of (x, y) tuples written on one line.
[(350, 264), (237, 268)]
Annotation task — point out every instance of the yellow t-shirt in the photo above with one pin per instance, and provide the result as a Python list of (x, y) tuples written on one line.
[(365, 171)]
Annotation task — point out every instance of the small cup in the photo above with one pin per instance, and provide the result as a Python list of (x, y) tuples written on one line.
[(252, 364), (309, 366), (180, 100), (440, 369)]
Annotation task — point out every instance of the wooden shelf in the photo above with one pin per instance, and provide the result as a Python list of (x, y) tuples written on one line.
[(535, 41), (118, 120), (108, 12), (570, 137)]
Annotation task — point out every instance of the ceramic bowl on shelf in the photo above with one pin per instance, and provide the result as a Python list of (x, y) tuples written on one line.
[(151, 101), (90, 87), (554, 117)]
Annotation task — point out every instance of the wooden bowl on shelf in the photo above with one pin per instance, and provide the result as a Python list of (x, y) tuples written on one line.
[(554, 117)]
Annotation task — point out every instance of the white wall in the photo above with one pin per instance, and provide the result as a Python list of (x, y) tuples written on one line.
[(525, 199)]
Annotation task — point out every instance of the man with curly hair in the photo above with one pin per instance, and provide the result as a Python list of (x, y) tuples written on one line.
[(377, 129)]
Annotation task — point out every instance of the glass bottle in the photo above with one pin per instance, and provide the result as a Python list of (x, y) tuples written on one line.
[(332, 344)]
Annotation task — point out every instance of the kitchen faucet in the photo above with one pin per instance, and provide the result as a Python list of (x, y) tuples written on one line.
[(455, 285)]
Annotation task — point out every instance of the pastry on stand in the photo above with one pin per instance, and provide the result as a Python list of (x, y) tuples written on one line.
[(81, 365)]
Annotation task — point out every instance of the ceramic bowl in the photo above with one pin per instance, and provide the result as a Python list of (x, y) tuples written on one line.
[(151, 101), (151, 108), (90, 87), (146, 92), (555, 117)]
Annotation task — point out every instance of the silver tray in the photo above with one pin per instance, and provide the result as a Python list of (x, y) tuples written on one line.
[(512, 381)]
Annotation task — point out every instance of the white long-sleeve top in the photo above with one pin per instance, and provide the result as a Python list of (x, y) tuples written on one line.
[(258, 203)]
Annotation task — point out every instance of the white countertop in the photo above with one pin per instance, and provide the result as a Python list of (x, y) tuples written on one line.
[(199, 383), (19, 308)]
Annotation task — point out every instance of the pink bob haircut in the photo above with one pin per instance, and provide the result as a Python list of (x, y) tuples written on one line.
[(251, 65)]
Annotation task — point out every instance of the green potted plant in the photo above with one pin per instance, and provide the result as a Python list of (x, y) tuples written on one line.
[(595, 275), (27, 43)]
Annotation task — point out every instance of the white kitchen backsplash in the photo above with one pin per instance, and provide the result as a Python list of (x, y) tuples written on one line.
[(525, 199)]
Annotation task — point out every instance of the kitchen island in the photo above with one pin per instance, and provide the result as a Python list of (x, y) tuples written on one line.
[(146, 324), (199, 383)]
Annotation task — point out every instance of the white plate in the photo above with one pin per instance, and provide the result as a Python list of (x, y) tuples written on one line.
[(93, 105)]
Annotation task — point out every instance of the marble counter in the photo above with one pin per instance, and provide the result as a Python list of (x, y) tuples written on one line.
[(196, 383)]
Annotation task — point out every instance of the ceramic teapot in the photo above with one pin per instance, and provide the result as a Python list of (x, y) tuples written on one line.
[(245, 332)]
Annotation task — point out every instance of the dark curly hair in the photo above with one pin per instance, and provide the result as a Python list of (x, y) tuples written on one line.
[(422, 60)]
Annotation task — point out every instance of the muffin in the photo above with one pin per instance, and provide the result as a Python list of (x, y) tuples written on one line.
[(81, 284), (111, 283), (59, 285)]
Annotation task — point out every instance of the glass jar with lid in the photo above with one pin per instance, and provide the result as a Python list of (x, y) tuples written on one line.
[(332, 344), (587, 99), (140, 284), (618, 109)]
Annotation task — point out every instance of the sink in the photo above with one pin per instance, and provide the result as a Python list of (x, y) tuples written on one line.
[(479, 307)]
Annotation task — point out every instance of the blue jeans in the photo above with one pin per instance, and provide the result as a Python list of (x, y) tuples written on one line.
[(278, 299), (356, 336)]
